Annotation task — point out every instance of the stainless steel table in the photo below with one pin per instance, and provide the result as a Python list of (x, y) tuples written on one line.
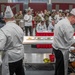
[(36, 57)]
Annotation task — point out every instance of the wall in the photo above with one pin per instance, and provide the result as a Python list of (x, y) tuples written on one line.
[(38, 6), (63, 6), (4, 1), (63, 1), (15, 6), (49, 7)]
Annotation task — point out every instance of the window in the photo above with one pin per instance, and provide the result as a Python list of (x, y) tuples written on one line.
[(40, 1), (33, 1), (24, 1)]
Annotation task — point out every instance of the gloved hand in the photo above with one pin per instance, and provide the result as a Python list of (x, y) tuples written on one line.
[(71, 48), (0, 59)]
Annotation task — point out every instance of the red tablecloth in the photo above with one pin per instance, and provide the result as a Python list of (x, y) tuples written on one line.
[(44, 34)]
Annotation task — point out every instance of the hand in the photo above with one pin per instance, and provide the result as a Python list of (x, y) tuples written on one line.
[(73, 51), (72, 48)]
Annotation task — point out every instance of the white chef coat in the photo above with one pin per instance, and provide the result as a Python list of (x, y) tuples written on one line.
[(63, 39), (50, 27), (28, 20), (41, 28), (11, 43), (56, 18), (63, 35), (50, 19), (41, 15)]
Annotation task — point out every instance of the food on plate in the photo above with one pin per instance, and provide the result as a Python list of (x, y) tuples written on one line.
[(38, 38), (29, 38), (48, 38)]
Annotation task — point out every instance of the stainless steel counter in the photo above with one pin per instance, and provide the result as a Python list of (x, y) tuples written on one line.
[(35, 57)]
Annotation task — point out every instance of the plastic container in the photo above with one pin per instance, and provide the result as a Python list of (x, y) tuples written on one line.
[(52, 57)]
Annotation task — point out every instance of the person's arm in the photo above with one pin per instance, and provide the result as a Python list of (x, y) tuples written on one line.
[(2, 44), (26, 18), (2, 40), (30, 18), (68, 33)]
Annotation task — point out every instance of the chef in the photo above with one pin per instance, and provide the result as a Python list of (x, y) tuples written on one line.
[(51, 26), (11, 47), (28, 22), (62, 41), (41, 27)]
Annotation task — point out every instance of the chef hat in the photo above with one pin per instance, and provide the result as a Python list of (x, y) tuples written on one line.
[(29, 9), (8, 12), (60, 10), (73, 11)]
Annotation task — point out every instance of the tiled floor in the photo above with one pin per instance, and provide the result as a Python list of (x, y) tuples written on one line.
[(39, 72)]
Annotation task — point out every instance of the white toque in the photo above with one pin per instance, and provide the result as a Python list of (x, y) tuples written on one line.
[(8, 12), (73, 11)]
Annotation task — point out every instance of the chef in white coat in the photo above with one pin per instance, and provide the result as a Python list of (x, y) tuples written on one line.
[(11, 47), (62, 41), (51, 26), (28, 22), (41, 27)]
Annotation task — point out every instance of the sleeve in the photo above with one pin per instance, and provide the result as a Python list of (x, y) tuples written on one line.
[(2, 40), (68, 33), (30, 18)]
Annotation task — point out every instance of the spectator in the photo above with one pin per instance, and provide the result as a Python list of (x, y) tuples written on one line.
[(28, 22)]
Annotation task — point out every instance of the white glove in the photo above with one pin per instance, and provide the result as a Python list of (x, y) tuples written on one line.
[(71, 48), (0, 59)]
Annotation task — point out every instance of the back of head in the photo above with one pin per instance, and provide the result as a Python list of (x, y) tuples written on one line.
[(71, 16)]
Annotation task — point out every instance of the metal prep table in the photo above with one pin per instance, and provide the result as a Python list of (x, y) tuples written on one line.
[(33, 56)]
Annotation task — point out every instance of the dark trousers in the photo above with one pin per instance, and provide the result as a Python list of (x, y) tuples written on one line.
[(17, 68), (59, 65), (30, 30)]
